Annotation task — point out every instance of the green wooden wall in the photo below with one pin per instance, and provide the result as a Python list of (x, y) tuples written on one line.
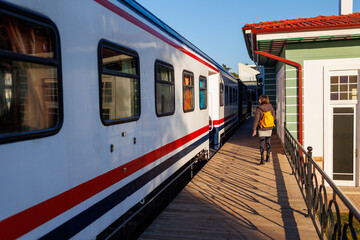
[(299, 52)]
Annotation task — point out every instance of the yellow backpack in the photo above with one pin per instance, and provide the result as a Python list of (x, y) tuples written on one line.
[(267, 120)]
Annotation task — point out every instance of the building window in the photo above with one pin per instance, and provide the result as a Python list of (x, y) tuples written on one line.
[(221, 88), (120, 84), (188, 91), (164, 88), (343, 87), (203, 92), (30, 88)]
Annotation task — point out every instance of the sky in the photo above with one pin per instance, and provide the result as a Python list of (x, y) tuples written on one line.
[(215, 26)]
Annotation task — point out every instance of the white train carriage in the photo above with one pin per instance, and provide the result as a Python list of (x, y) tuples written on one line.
[(100, 102), (224, 107)]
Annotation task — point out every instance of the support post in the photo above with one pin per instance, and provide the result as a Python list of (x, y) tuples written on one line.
[(308, 180)]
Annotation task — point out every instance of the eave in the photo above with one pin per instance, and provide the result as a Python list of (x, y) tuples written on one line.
[(274, 43)]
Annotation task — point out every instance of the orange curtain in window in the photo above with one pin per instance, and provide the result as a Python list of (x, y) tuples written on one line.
[(187, 94), (187, 99)]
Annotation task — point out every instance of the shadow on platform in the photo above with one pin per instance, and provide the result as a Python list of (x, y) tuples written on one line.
[(233, 197)]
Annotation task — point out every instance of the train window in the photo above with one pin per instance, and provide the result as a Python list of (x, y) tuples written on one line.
[(236, 96), (231, 95), (226, 95), (29, 77), (120, 84), (203, 92), (221, 94), (164, 89), (188, 91)]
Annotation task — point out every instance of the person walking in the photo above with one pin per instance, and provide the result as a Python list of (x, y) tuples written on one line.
[(263, 125)]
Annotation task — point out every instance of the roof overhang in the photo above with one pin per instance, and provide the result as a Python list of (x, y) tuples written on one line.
[(248, 69), (274, 42)]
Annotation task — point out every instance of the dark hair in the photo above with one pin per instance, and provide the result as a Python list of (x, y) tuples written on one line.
[(264, 99)]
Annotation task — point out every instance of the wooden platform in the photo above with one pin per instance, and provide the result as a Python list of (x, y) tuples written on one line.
[(233, 197)]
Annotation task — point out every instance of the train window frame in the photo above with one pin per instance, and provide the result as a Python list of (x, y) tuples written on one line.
[(169, 66), (203, 89), (186, 72), (102, 70), (40, 20), (221, 94)]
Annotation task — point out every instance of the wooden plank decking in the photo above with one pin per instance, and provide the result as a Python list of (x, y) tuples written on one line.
[(233, 197)]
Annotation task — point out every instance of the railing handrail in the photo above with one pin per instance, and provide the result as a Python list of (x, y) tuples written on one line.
[(333, 185), (304, 173)]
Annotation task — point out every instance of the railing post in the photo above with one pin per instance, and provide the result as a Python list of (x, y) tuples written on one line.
[(308, 180)]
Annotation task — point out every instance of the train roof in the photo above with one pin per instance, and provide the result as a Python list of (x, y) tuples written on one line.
[(139, 9)]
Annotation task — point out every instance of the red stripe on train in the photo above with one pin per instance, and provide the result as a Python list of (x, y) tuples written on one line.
[(31, 218), (218, 122), (137, 22)]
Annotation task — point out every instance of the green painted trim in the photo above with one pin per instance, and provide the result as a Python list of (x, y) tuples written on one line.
[(299, 52), (290, 83), (289, 68), (292, 126), (292, 118), (291, 74), (291, 109), (291, 100), (291, 91), (294, 134)]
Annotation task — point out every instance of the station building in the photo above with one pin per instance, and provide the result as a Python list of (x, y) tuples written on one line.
[(252, 78), (324, 53)]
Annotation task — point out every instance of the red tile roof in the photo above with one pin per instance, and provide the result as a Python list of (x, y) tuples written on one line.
[(306, 24)]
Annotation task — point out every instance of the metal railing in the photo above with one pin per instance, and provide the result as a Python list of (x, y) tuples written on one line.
[(313, 182)]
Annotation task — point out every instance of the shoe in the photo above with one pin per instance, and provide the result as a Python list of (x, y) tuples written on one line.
[(262, 161), (267, 158)]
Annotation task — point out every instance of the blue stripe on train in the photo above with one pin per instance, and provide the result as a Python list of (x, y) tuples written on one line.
[(214, 134), (88, 216)]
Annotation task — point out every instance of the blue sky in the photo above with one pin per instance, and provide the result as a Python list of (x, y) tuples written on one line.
[(214, 26)]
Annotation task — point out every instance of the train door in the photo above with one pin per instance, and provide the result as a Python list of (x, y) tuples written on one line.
[(213, 95)]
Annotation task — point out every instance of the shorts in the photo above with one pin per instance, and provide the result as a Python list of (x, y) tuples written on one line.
[(266, 133)]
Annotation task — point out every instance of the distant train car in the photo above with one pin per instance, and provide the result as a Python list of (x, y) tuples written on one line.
[(245, 103), (224, 107), (100, 104)]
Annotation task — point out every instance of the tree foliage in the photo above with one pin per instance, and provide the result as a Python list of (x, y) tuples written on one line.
[(234, 74), (228, 69)]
